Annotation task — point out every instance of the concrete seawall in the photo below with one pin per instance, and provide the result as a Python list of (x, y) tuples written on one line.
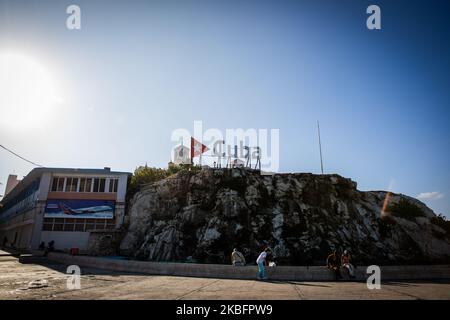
[(300, 273)]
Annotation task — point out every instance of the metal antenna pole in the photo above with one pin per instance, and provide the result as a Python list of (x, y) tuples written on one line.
[(320, 147)]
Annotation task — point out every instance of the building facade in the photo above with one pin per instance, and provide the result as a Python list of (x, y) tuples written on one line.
[(62, 205)]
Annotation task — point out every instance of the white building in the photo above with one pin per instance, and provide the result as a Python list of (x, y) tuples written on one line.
[(63, 205), (181, 155)]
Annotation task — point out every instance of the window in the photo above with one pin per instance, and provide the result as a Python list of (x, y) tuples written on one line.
[(90, 226), (113, 185), (76, 224), (102, 185), (54, 184), (58, 184), (71, 184), (99, 184), (100, 224), (58, 227), (48, 224), (85, 184), (69, 227), (80, 225), (110, 224)]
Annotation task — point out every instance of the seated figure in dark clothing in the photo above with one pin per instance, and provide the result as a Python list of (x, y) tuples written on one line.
[(42, 246), (334, 264)]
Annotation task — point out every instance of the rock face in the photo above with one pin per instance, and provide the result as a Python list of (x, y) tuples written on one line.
[(104, 242), (203, 216)]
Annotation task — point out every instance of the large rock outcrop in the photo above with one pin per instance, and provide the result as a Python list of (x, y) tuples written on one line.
[(202, 216)]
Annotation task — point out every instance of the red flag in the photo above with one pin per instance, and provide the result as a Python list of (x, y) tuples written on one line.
[(197, 148)]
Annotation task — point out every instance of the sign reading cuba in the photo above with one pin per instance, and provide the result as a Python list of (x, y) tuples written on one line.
[(79, 209)]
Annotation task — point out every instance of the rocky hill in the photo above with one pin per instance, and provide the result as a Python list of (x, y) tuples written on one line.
[(202, 216)]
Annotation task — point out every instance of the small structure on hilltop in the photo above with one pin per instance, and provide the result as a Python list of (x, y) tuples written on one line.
[(181, 155)]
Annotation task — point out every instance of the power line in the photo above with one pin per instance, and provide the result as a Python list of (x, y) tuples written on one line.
[(33, 163)]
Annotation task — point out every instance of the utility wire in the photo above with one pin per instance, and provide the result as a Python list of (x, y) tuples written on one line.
[(33, 163)]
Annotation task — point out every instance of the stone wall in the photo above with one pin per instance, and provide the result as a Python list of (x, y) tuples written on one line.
[(248, 272), (104, 242)]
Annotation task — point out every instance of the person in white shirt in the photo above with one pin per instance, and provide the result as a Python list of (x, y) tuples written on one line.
[(261, 261), (345, 262), (237, 258)]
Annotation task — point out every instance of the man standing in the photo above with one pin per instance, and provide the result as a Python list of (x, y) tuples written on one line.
[(237, 258), (261, 261)]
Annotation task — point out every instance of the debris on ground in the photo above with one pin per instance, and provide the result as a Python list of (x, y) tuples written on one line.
[(36, 284)]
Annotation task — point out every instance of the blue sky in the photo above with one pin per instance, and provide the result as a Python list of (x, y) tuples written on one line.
[(138, 70)]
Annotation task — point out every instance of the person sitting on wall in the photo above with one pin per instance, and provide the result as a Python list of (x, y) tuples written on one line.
[(345, 261), (50, 248), (42, 246), (237, 258), (333, 263)]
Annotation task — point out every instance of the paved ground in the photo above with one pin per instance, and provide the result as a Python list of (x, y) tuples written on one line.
[(48, 281)]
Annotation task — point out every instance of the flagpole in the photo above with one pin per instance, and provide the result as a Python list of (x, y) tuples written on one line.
[(192, 153), (320, 147)]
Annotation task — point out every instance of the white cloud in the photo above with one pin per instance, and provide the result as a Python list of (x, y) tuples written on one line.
[(434, 195)]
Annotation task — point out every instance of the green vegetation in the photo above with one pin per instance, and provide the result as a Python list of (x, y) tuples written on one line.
[(144, 175), (441, 221), (405, 209)]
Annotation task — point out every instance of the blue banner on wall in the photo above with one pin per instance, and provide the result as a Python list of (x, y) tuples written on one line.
[(79, 209)]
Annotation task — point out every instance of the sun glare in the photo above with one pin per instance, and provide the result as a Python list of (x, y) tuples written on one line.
[(27, 92)]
